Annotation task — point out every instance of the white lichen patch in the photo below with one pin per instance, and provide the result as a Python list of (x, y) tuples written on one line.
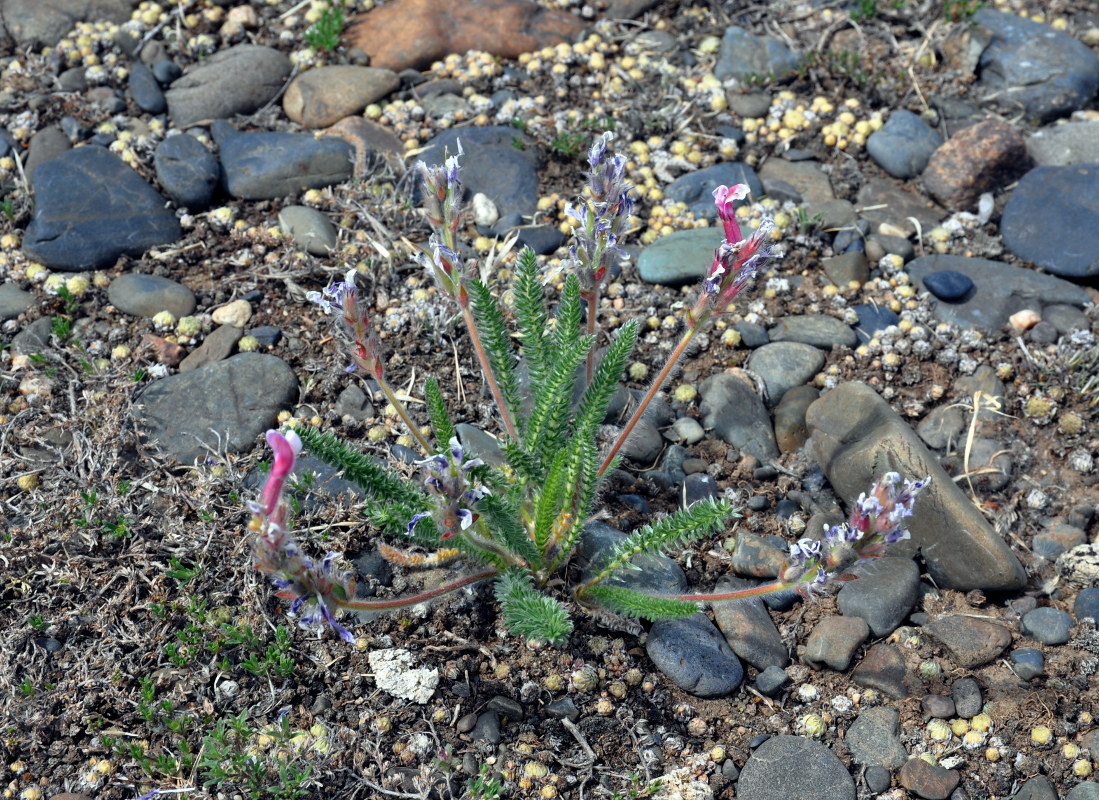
[(393, 673)]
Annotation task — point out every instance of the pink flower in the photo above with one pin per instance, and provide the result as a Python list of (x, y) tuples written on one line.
[(725, 199), (286, 448)]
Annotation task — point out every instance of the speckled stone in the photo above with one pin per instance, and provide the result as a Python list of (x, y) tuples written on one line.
[(972, 642), (767, 775), (882, 668)]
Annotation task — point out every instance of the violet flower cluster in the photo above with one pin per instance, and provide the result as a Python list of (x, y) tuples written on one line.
[(877, 520), (448, 480), (442, 190), (341, 299), (312, 589), (602, 218)]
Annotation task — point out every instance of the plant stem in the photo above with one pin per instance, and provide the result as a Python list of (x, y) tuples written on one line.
[(739, 594), (592, 298), (649, 395), (490, 377), (416, 599), (402, 412)]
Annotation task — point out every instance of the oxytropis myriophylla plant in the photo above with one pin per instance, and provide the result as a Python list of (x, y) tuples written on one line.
[(517, 524)]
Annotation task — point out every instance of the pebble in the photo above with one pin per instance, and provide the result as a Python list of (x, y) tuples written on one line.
[(1030, 65), (90, 208), (748, 628), (849, 267), (938, 706), (794, 768), (679, 258), (806, 178), (692, 654), (30, 23), (756, 557), (744, 54), (147, 295), (927, 780), (267, 336), (686, 430), (1002, 290), (14, 301), (492, 165), (885, 202), (872, 319), (1066, 319), (1087, 605), (487, 728), (977, 159), (261, 166), (818, 330), (697, 487), (34, 338), (1037, 788), (834, 642), (696, 189), (227, 404), (791, 432), (407, 33), (1028, 663), (784, 365), (236, 313), (1057, 538), (542, 239), (1088, 790), (904, 144), (941, 428), (968, 700), (771, 680), (165, 71), (882, 668), (1065, 144), (644, 445), (509, 709), (889, 243), (750, 105), (187, 171), (834, 214), (883, 595), (990, 458), (949, 285), (145, 90), (850, 237), (1048, 625), (217, 346), (874, 738), (877, 779), (1054, 204), (311, 230), (751, 334), (323, 96), (854, 431), (972, 642), (237, 80), (564, 708), (733, 410)]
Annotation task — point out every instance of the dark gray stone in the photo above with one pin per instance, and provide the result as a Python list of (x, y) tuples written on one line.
[(771, 680), (1087, 605), (949, 286), (877, 778), (1057, 538), (1028, 663), (237, 80), (835, 640), (542, 239), (972, 642), (188, 172), (46, 145), (942, 427), (1037, 788), (938, 706), (748, 628), (874, 739), (733, 409), (31, 22), (818, 330), (1031, 66), (226, 404), (90, 208), (145, 90), (1088, 790), (883, 595), (904, 144), (311, 230), (872, 319), (696, 189), (261, 166), (794, 768), (882, 668), (1056, 204), (1048, 625), (487, 728), (166, 71), (1066, 319), (968, 700), (744, 54), (148, 295), (784, 365), (693, 655)]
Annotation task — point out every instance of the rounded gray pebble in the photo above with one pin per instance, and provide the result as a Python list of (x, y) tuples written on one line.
[(967, 697), (148, 295), (794, 768), (1048, 625), (878, 779)]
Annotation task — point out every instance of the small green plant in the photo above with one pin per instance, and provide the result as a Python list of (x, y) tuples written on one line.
[(61, 328), (139, 375), (864, 10), (181, 573), (26, 688), (7, 207), (961, 10), (37, 622), (484, 785), (324, 34)]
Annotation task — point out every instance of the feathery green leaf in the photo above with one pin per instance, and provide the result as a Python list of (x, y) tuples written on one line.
[(533, 320), (551, 406), (375, 480), (632, 603), (569, 317), (604, 382), (494, 333), (528, 612), (502, 518), (437, 411)]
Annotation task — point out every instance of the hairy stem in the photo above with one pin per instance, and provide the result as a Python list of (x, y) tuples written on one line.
[(416, 599), (592, 298), (402, 412), (739, 594), (505, 412), (649, 395)]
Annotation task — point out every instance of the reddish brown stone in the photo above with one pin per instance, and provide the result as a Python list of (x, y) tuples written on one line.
[(414, 33), (165, 352), (882, 668), (978, 159), (928, 781)]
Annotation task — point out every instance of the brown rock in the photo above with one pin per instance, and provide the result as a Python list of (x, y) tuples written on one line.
[(321, 97), (834, 641), (369, 139), (971, 641), (882, 668), (165, 352), (414, 33), (756, 557), (978, 159), (883, 201), (216, 347), (805, 176), (928, 781), (790, 430)]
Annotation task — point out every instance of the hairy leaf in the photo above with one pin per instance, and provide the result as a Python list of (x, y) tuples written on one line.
[(632, 603), (497, 343), (530, 312), (438, 413), (528, 612), (593, 405)]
